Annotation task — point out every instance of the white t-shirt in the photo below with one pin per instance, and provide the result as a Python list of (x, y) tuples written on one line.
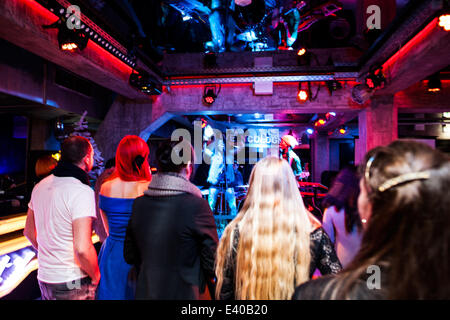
[(57, 202)]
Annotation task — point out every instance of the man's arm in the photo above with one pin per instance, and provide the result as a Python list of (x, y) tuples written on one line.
[(84, 249), (130, 249), (30, 229)]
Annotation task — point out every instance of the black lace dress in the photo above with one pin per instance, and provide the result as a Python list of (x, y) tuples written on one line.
[(323, 257)]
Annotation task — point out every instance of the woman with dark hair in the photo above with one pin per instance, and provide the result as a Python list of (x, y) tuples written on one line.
[(128, 181), (404, 252), (341, 220), (171, 237)]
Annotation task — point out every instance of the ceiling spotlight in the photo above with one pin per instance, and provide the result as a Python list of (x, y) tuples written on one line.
[(330, 114), (444, 22), (333, 85), (303, 94), (375, 79), (210, 94), (361, 93), (342, 130), (209, 97), (303, 57), (68, 39), (301, 52), (145, 83), (434, 83), (69, 46), (309, 131)]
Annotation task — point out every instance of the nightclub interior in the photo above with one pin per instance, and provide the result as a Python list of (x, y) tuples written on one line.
[(331, 79)]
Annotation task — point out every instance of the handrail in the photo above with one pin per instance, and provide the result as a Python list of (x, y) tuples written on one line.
[(12, 223)]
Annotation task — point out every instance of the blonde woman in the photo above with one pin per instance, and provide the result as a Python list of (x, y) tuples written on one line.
[(274, 244)]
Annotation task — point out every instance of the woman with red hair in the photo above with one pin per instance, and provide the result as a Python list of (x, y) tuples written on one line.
[(128, 181)]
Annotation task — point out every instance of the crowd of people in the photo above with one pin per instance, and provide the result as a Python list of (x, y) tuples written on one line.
[(384, 233)]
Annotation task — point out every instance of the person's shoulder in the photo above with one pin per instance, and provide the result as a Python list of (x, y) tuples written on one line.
[(332, 210), (194, 204), (106, 186), (318, 234), (45, 181), (193, 200), (314, 289), (72, 186), (315, 223)]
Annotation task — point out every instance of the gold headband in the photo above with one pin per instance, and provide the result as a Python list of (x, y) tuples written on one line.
[(407, 177)]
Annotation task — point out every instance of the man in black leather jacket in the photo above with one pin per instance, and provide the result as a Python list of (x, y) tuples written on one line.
[(171, 237)]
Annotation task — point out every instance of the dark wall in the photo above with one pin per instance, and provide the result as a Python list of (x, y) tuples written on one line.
[(13, 144), (30, 77)]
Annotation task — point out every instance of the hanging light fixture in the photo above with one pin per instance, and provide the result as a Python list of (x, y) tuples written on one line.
[(210, 94), (434, 83)]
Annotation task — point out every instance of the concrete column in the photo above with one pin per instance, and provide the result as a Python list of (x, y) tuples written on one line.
[(124, 117), (378, 125), (321, 156)]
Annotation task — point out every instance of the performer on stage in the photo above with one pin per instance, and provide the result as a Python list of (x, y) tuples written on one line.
[(285, 21), (221, 173), (287, 144)]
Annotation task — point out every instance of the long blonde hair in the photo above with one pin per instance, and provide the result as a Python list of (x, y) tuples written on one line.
[(273, 254)]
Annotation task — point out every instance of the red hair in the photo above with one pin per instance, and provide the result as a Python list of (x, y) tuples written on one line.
[(128, 167)]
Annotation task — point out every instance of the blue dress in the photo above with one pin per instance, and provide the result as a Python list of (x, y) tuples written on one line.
[(113, 268)]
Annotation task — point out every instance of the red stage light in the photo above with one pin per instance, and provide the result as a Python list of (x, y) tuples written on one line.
[(302, 95), (209, 100), (444, 22), (210, 94)]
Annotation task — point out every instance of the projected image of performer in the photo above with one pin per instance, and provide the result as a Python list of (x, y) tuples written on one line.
[(221, 177)]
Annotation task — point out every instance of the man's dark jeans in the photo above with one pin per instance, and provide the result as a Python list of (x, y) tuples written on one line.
[(81, 289)]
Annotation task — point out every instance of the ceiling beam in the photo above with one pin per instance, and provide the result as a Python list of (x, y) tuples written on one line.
[(21, 23), (422, 56)]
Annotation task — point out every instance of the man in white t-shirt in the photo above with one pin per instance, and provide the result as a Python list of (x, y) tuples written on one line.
[(59, 226)]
